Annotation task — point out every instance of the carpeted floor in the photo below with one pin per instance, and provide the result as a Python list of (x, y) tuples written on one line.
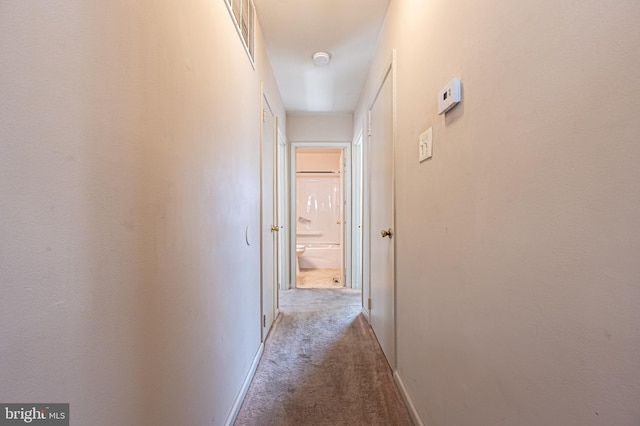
[(322, 365), (319, 278)]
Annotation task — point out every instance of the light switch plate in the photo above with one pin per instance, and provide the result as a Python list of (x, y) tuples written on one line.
[(425, 145)]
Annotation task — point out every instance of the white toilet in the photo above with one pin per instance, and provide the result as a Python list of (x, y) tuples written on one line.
[(299, 251)]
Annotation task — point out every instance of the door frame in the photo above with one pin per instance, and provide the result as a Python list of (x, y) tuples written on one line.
[(346, 195)]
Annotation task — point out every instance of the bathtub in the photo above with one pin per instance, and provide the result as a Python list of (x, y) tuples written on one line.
[(319, 255)]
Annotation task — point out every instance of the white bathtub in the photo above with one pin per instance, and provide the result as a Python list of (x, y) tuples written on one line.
[(319, 255)]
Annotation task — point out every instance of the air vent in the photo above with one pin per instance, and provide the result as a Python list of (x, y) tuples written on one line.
[(243, 14)]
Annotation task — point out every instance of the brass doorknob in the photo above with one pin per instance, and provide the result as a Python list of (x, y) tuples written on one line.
[(274, 228), (386, 233), (338, 223)]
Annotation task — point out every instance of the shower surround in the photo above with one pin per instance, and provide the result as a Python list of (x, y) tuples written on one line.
[(319, 219)]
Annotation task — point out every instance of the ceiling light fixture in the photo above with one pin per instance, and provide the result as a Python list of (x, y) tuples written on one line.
[(321, 58)]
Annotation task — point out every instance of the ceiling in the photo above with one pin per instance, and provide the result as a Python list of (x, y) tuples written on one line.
[(295, 29)]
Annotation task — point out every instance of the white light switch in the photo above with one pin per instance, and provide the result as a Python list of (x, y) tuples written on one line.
[(425, 145)]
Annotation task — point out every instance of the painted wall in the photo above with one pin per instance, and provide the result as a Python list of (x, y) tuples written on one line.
[(319, 127), (517, 244), (318, 159), (129, 170)]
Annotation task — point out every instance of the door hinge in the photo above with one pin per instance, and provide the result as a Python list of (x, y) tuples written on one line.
[(264, 115), (369, 304), (264, 320)]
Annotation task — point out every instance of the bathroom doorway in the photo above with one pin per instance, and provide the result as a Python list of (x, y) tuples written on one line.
[(320, 190)]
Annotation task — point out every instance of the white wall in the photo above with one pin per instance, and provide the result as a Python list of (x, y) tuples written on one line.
[(129, 169), (517, 244), (321, 127)]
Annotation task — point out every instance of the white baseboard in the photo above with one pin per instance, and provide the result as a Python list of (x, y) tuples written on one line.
[(407, 399), (231, 418), (365, 312)]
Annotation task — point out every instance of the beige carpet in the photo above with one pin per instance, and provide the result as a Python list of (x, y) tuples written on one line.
[(322, 366), (319, 278)]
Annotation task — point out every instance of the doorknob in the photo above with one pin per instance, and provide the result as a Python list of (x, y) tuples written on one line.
[(274, 228), (338, 223), (386, 233)]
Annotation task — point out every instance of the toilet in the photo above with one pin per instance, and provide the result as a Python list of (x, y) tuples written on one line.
[(299, 250)]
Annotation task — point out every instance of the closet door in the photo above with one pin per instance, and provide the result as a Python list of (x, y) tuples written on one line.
[(382, 282)]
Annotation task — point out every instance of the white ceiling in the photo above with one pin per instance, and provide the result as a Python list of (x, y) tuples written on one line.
[(295, 29)]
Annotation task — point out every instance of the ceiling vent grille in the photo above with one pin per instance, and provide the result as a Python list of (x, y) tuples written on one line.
[(243, 13)]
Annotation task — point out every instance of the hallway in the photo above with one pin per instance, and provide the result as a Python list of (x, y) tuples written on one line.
[(137, 150), (322, 365)]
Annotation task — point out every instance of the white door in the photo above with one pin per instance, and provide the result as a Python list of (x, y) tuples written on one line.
[(382, 315), (282, 211), (347, 217), (269, 233), (356, 221)]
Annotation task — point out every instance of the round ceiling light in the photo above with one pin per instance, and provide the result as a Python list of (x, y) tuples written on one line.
[(321, 58)]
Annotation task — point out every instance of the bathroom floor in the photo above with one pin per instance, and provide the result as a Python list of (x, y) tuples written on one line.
[(319, 278)]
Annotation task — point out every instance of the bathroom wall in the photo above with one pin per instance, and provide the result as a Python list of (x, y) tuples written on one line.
[(129, 139), (318, 160), (517, 244)]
